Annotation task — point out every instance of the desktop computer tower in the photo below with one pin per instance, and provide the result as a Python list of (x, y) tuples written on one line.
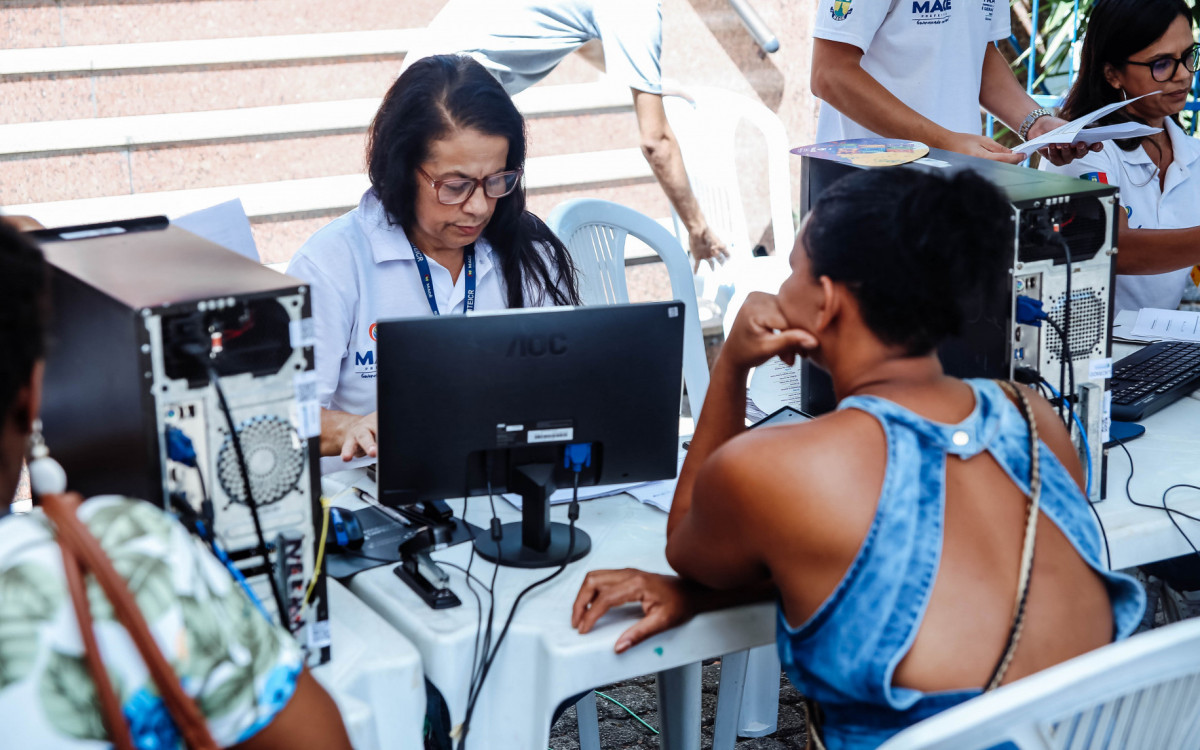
[(993, 344), (140, 313)]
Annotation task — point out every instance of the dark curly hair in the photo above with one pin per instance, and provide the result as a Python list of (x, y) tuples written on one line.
[(23, 312), (915, 249), (431, 99)]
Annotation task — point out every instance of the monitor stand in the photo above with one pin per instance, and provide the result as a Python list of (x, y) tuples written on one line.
[(534, 542)]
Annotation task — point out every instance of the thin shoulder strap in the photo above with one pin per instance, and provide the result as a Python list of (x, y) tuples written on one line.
[(1035, 494), (74, 537)]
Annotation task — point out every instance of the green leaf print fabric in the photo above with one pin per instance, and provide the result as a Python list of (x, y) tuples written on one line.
[(241, 669)]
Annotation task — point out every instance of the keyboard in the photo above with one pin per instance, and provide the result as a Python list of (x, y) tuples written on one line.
[(1153, 378)]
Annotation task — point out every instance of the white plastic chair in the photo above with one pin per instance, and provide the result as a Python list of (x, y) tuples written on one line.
[(705, 121), (1143, 692), (594, 232)]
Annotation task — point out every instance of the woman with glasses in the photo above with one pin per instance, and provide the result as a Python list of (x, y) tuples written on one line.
[(442, 230), (1137, 48)]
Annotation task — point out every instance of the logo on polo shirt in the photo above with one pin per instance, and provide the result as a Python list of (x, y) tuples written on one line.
[(931, 12), (1129, 212), (1101, 177), (371, 331), (840, 10)]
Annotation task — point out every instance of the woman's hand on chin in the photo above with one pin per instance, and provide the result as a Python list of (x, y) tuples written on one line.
[(761, 331)]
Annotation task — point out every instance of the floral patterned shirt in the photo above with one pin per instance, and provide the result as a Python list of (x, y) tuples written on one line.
[(240, 669)]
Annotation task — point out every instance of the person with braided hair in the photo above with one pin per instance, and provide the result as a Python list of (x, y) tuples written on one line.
[(895, 531)]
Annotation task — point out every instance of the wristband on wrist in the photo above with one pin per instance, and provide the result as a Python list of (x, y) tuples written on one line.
[(1030, 119)]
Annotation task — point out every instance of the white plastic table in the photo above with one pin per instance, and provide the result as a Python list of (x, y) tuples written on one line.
[(375, 677), (1169, 453), (543, 660)]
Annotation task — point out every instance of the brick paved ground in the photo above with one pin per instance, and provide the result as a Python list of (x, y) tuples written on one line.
[(620, 731)]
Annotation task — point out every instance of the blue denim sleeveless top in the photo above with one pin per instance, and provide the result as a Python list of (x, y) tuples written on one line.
[(845, 655)]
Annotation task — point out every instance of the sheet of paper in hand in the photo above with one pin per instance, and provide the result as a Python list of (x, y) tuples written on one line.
[(1077, 130)]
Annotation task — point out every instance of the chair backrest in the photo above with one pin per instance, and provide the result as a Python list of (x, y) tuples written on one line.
[(594, 232), (1143, 692), (706, 127)]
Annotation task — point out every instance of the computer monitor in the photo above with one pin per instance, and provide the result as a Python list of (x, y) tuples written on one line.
[(487, 403)]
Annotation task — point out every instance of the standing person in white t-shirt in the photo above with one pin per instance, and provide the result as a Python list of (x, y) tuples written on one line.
[(920, 70), (442, 230), (1132, 48), (521, 41)]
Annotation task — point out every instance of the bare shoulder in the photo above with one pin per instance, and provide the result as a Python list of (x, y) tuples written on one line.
[(798, 461)]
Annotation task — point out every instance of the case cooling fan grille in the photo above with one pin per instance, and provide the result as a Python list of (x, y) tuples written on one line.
[(274, 460), (1088, 321)]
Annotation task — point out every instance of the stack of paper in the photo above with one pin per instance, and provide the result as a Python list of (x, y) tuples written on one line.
[(1166, 325), (1077, 131)]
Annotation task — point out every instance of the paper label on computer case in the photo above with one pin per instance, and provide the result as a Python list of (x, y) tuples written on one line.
[(1100, 369), (302, 333), (306, 416), (1105, 417), (320, 635), (514, 434)]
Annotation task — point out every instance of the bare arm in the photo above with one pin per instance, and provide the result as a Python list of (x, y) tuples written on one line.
[(759, 333), (348, 435), (839, 79), (661, 150), (1147, 251), (1001, 94), (310, 719)]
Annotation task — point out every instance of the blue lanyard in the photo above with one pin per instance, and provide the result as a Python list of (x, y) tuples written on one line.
[(427, 279)]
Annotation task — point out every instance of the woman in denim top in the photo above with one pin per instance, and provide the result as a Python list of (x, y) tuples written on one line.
[(890, 530)]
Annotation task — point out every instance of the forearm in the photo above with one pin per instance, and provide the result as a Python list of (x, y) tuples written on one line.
[(1150, 251), (839, 80), (1001, 93), (333, 430), (666, 162), (723, 418)]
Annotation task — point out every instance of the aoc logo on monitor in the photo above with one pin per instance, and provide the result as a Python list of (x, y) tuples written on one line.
[(537, 346)]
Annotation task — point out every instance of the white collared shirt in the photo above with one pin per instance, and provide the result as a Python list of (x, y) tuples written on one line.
[(927, 53), (361, 270), (1174, 205)]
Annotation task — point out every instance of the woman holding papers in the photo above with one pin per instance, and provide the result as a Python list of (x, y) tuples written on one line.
[(442, 230), (1144, 48), (896, 532)]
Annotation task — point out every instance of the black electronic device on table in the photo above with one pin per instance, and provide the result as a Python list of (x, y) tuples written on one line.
[(1153, 378), (487, 403)]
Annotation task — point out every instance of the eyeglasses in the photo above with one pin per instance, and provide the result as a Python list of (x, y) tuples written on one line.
[(1164, 68), (457, 190)]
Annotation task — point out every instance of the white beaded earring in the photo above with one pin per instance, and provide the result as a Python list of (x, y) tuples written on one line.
[(46, 476)]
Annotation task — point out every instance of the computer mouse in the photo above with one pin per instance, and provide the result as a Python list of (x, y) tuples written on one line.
[(345, 530)]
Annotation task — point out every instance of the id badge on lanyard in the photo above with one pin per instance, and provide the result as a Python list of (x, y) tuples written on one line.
[(427, 279)]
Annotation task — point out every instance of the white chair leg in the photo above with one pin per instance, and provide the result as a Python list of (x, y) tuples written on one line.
[(679, 707), (760, 694), (729, 699), (588, 721)]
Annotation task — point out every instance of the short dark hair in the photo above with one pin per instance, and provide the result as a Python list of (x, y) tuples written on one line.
[(1116, 30), (914, 248), (431, 99), (23, 312)]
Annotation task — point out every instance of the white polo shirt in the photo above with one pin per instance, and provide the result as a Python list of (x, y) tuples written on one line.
[(362, 270), (521, 41), (928, 53), (1175, 205)]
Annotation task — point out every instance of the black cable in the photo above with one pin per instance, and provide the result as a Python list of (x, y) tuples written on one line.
[(245, 472), (478, 601), (1068, 354), (572, 514), (1171, 512), (475, 685)]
